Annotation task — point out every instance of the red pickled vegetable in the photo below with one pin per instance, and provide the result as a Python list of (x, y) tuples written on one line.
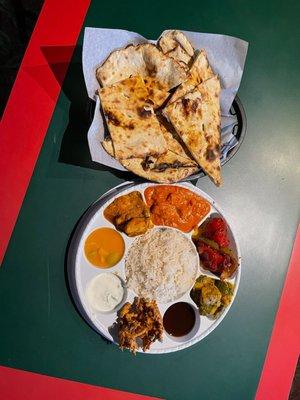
[(216, 230), (212, 259)]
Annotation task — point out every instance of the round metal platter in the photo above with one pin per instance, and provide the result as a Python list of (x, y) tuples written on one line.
[(238, 130), (80, 273)]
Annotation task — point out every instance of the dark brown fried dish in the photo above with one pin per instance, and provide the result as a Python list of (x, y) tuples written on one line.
[(139, 321)]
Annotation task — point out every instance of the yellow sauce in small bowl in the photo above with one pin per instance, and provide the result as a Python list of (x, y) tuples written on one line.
[(104, 247)]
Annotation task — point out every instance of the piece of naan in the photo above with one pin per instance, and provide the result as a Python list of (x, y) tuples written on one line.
[(133, 126), (170, 167), (196, 118), (177, 46), (200, 71), (157, 92), (167, 175), (140, 60)]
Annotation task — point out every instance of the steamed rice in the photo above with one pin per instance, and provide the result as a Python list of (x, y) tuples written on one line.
[(161, 265)]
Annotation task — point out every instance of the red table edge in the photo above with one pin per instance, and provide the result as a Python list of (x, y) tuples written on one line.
[(284, 346), (32, 123), (31, 104), (16, 384)]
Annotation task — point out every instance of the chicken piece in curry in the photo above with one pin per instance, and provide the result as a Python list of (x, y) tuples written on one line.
[(129, 214)]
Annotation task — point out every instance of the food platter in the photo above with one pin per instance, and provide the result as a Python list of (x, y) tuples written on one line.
[(81, 272)]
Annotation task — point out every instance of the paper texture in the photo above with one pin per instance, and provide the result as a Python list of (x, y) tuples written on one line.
[(226, 56)]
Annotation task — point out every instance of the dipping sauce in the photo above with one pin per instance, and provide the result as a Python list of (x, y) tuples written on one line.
[(179, 319), (105, 292), (104, 247), (175, 206)]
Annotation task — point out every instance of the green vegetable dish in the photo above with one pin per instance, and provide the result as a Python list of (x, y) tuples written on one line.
[(211, 295)]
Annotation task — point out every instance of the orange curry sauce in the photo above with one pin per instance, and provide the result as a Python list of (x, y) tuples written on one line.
[(176, 207)]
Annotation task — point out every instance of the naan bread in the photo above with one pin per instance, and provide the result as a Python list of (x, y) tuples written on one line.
[(160, 170), (196, 118), (177, 46), (141, 60), (144, 90), (174, 147), (172, 144), (175, 155), (136, 81), (108, 146), (157, 92), (133, 126), (169, 175), (200, 71), (172, 166)]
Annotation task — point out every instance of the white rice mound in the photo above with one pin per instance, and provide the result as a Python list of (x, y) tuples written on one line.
[(161, 265)]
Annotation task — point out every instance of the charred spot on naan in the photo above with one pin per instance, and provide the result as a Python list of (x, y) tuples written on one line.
[(144, 113), (168, 175), (112, 118), (116, 120), (160, 167), (170, 160), (211, 154), (191, 106)]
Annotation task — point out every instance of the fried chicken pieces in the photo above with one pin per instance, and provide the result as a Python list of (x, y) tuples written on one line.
[(139, 321), (129, 214)]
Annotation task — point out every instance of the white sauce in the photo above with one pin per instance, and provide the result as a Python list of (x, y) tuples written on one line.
[(105, 292)]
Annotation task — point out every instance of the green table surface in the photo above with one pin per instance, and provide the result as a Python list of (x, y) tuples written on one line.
[(41, 330)]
